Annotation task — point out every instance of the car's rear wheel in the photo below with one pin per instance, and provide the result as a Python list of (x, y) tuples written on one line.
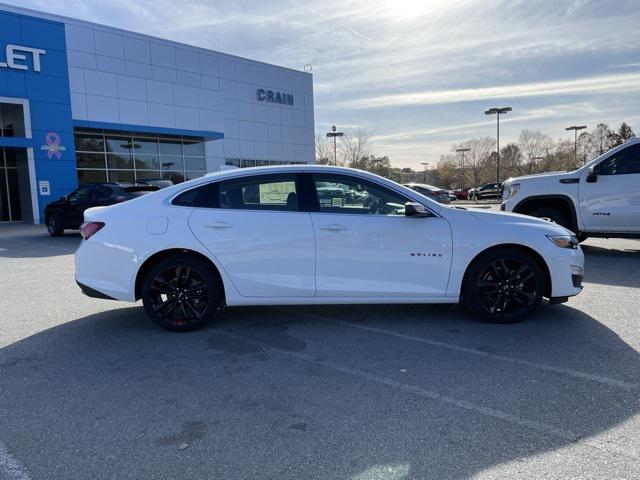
[(181, 294), (504, 285), (55, 227)]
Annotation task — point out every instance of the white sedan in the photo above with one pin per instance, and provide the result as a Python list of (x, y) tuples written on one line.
[(299, 235)]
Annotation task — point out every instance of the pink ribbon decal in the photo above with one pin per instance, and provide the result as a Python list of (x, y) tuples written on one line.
[(53, 146)]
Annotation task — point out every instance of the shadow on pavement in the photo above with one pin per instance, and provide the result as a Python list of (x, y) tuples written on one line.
[(33, 241), (112, 396), (610, 266)]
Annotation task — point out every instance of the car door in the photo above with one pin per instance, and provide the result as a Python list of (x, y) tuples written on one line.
[(610, 199), (260, 235), (367, 247)]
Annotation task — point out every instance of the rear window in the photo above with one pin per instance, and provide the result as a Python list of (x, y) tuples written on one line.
[(138, 191), (204, 196)]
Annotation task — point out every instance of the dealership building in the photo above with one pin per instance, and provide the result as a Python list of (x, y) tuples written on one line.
[(81, 102)]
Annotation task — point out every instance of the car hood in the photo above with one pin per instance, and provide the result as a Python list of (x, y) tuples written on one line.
[(516, 218), (536, 176)]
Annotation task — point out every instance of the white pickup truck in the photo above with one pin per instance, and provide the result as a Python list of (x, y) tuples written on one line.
[(600, 199)]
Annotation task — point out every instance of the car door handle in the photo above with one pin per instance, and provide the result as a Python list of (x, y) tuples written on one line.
[(334, 227), (219, 225)]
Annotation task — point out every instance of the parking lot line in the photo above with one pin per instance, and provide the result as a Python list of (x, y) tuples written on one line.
[(539, 427), (612, 382), (10, 468)]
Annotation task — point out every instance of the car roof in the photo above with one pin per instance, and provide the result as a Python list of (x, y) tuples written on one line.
[(230, 173)]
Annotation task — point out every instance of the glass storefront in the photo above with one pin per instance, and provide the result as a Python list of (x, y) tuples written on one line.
[(13, 165), (128, 158), (243, 163)]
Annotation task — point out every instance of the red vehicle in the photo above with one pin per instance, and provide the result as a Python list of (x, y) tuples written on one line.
[(462, 193)]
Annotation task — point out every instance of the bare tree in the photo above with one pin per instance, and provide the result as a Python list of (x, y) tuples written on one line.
[(511, 160), (448, 172), (356, 147), (601, 140), (324, 149), (533, 144), (478, 158)]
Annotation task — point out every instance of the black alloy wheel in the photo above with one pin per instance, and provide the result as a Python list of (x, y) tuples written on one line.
[(504, 286), (180, 294)]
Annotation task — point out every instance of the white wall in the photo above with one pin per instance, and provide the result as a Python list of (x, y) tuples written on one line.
[(123, 77)]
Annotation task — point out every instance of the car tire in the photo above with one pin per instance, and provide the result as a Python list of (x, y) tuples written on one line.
[(55, 226), (181, 294), (504, 285)]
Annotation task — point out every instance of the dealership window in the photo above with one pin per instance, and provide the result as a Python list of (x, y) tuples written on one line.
[(11, 120), (117, 157), (243, 162)]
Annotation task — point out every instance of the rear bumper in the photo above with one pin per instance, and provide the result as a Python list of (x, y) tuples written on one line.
[(90, 292)]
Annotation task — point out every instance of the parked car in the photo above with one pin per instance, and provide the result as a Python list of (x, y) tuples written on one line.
[(190, 249), (462, 193), (435, 193), (452, 196), (488, 190), (600, 199), (156, 182), (67, 211)]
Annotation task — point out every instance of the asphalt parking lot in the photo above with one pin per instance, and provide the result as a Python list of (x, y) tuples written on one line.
[(92, 389)]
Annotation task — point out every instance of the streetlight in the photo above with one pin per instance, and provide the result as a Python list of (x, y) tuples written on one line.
[(535, 162), (461, 151), (426, 165), (335, 134), (575, 129), (497, 111)]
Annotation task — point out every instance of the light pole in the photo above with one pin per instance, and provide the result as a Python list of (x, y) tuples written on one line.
[(461, 151), (335, 134), (497, 111), (575, 129), (426, 165), (535, 162)]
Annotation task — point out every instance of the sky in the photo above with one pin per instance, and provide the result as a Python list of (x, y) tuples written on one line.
[(418, 75)]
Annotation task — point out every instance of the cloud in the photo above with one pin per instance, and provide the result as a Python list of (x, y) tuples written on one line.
[(419, 73), (602, 84)]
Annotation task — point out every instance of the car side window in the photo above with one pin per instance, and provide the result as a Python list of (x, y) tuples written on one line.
[(352, 195), (261, 192), (80, 195), (624, 162), (99, 193)]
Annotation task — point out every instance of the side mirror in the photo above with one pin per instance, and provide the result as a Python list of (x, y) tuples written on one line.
[(592, 177), (414, 209)]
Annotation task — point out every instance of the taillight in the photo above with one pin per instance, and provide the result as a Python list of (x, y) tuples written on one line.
[(89, 229)]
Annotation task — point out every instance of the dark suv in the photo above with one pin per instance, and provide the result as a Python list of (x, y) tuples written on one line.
[(68, 211)]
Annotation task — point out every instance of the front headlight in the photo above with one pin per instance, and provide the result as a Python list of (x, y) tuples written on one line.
[(565, 241), (510, 190)]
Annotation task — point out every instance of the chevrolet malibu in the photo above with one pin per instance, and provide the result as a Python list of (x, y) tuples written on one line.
[(267, 236)]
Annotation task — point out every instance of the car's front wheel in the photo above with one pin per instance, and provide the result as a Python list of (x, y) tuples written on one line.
[(181, 294), (504, 285)]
